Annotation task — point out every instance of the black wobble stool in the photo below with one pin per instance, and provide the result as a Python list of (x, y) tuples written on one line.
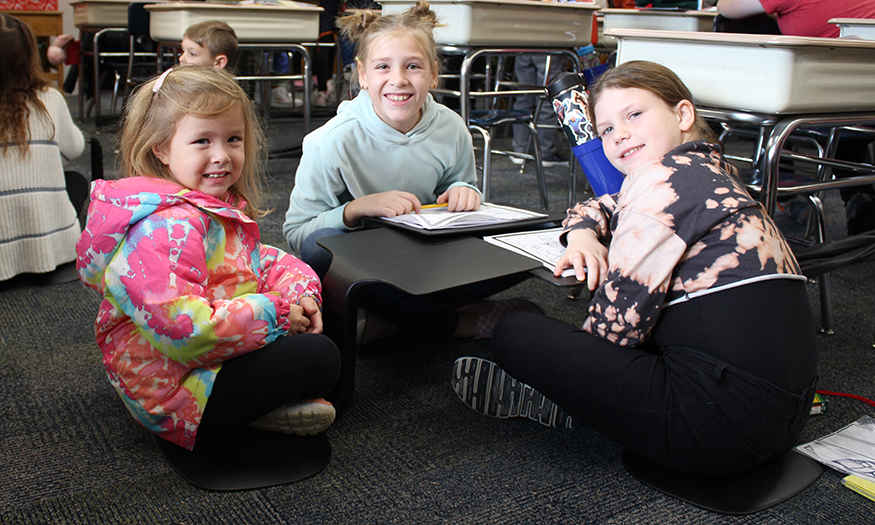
[(247, 458), (744, 493)]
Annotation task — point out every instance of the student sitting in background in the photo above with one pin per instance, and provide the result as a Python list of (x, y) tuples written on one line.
[(38, 221), (211, 44)]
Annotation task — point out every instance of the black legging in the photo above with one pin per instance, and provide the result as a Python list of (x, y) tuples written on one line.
[(725, 383), (299, 367)]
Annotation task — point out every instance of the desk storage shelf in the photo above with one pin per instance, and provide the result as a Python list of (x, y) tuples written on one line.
[(860, 27), (509, 23), (100, 13), (770, 74), (253, 23), (652, 19)]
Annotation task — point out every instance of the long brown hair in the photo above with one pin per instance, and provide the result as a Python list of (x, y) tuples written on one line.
[(362, 27), (21, 78), (652, 77), (151, 119)]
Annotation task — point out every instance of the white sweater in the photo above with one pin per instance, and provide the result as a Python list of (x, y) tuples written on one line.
[(38, 225)]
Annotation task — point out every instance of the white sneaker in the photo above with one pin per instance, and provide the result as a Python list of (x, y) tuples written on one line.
[(301, 418), (281, 98), (321, 98), (548, 161)]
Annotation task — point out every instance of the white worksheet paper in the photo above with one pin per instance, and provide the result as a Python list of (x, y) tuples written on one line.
[(850, 450), (440, 218), (542, 245)]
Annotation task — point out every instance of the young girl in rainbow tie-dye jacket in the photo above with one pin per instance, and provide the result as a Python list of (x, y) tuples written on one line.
[(196, 310)]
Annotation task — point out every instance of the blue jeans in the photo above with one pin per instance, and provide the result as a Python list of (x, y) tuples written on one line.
[(433, 314), (530, 70)]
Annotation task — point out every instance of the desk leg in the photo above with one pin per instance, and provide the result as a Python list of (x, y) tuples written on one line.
[(340, 315)]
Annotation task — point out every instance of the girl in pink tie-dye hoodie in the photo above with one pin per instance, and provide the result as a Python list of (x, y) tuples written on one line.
[(196, 310)]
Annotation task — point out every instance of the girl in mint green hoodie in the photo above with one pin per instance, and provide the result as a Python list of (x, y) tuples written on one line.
[(388, 152)]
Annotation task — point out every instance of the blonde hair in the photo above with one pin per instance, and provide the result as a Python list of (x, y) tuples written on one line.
[(652, 77), (363, 27), (217, 36), (151, 120)]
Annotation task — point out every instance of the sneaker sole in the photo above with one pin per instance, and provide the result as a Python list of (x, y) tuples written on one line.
[(301, 419), (489, 390)]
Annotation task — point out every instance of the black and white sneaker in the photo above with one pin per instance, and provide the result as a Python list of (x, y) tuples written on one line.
[(489, 390)]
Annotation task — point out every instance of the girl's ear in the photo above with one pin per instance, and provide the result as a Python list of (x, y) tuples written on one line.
[(361, 71), (160, 151), (435, 76), (686, 115)]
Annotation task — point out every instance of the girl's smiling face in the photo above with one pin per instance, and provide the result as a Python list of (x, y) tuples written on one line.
[(206, 154), (636, 126), (397, 75)]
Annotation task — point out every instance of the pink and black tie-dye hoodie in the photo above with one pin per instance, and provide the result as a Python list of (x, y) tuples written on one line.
[(187, 285), (681, 226)]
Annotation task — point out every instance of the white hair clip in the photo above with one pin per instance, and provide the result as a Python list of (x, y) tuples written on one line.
[(160, 81)]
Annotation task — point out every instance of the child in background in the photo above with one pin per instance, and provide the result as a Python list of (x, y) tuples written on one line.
[(698, 350), (210, 44), (386, 153), (38, 219), (203, 329)]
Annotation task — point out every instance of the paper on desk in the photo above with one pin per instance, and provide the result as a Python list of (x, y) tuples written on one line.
[(440, 218), (850, 450), (541, 245)]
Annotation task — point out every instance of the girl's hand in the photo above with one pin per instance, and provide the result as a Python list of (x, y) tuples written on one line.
[(311, 310), (587, 256), (386, 204), (299, 323), (460, 198)]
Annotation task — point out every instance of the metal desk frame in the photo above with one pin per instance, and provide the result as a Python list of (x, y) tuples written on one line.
[(774, 131), (494, 83)]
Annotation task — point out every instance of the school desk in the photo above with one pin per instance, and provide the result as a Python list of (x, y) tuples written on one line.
[(667, 19), (414, 263), (260, 27)]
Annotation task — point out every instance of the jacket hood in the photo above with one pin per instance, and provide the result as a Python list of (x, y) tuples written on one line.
[(119, 204), (362, 109)]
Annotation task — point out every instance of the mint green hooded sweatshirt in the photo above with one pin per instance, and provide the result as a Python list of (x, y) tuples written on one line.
[(356, 154)]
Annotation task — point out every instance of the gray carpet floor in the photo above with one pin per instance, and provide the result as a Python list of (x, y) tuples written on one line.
[(406, 451)]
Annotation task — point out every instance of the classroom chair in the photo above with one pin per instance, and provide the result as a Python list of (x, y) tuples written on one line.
[(496, 113), (142, 56)]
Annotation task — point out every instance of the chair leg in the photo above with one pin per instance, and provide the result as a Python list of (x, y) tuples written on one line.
[(115, 91), (487, 158), (539, 166), (818, 224)]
